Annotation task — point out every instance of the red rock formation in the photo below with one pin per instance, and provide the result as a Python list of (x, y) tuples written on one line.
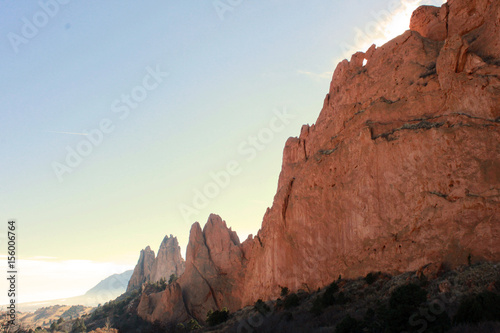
[(164, 307), (214, 271), (142, 271), (430, 22), (168, 260), (401, 169), (150, 269)]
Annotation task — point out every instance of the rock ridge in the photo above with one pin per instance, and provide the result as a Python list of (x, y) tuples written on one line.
[(152, 269), (401, 169)]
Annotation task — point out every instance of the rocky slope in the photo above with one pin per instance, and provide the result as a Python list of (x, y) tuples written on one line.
[(432, 299), (401, 169), (151, 269), (364, 305)]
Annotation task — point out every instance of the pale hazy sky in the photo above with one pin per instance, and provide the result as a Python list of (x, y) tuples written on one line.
[(169, 94)]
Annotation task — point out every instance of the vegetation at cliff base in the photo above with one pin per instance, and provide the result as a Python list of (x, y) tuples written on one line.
[(481, 307), (217, 317)]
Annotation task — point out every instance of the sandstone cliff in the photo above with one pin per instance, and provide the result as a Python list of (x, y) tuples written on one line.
[(212, 279), (142, 271), (401, 169), (168, 260), (150, 269)]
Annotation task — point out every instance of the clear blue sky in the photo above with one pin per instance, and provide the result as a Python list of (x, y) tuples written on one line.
[(229, 72)]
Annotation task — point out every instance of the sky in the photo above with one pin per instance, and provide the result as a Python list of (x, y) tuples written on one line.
[(123, 121)]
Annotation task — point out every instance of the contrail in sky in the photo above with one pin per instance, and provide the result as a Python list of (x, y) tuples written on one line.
[(66, 133)]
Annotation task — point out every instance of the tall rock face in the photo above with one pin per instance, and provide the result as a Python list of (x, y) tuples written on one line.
[(214, 268), (402, 167), (165, 307), (212, 279), (142, 271), (150, 269), (168, 260)]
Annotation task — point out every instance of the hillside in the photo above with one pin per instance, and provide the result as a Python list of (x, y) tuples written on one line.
[(44, 317), (432, 299)]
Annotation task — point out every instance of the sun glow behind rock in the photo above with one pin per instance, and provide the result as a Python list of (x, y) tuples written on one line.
[(398, 24), (386, 25)]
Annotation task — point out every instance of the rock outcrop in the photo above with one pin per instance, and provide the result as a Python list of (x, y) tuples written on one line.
[(142, 271), (164, 307), (150, 269), (214, 268), (212, 279), (168, 260), (401, 169)]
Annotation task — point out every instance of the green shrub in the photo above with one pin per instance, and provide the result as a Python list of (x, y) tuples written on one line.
[(284, 291), (349, 325), (370, 278), (217, 317), (288, 316), (317, 307), (403, 303), (341, 299), (328, 296), (262, 307), (441, 324), (482, 307), (291, 301), (172, 278), (78, 326), (279, 303), (325, 300), (410, 295)]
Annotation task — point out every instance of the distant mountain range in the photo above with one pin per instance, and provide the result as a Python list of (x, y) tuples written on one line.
[(115, 284), (106, 290)]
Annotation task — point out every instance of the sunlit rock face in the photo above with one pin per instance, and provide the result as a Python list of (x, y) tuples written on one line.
[(213, 277), (152, 269), (168, 260), (401, 169)]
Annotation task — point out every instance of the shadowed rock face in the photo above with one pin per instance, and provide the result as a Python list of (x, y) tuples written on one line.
[(150, 269), (142, 271), (401, 169)]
